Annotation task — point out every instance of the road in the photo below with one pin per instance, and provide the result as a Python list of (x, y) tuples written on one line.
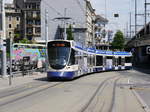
[(99, 92)]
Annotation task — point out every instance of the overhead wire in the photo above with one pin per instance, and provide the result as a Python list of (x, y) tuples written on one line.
[(79, 4), (60, 14)]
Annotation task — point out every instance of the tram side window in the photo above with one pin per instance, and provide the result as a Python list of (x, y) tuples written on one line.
[(40, 47), (72, 58), (88, 60), (122, 61), (15, 46), (128, 59), (99, 60), (109, 57), (114, 61), (91, 60), (119, 61)]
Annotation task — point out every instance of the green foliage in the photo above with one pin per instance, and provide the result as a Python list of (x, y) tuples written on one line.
[(33, 42), (25, 41), (17, 37), (118, 42), (69, 33)]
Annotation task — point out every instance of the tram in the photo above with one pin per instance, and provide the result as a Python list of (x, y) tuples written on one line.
[(68, 59), (34, 51)]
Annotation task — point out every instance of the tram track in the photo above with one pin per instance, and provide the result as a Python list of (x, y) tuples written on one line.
[(19, 89), (112, 106), (10, 98), (98, 92)]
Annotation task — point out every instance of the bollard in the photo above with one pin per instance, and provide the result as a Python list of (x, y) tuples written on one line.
[(10, 80)]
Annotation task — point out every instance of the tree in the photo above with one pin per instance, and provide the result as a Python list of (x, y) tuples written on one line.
[(118, 41), (25, 41), (17, 38), (69, 33)]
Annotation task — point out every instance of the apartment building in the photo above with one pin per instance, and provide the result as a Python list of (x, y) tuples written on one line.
[(31, 18), (100, 31), (13, 21), (82, 18), (74, 9), (90, 24)]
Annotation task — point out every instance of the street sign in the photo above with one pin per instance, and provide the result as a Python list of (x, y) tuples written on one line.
[(148, 50)]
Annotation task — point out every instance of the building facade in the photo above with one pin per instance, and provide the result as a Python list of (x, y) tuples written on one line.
[(31, 18), (13, 21), (90, 24), (101, 32), (82, 17), (75, 9)]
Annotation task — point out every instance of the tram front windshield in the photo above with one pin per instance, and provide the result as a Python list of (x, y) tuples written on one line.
[(58, 56)]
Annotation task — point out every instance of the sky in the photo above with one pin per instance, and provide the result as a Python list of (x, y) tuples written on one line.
[(122, 7)]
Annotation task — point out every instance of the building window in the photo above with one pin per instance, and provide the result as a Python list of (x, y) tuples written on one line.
[(30, 14), (37, 22), (29, 22), (17, 18), (37, 30), (17, 26), (9, 34), (9, 18), (29, 30), (29, 6), (37, 6), (9, 25), (33, 6)]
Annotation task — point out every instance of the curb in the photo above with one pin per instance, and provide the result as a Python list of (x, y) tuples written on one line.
[(141, 101)]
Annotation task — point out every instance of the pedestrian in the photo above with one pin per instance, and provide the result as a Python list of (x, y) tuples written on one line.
[(39, 65)]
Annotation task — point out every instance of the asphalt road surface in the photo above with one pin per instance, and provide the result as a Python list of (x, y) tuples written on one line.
[(99, 92)]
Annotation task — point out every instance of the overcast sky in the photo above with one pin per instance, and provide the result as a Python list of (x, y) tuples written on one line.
[(122, 7)]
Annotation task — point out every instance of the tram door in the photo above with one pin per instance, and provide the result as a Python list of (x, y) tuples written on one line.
[(85, 64), (109, 62)]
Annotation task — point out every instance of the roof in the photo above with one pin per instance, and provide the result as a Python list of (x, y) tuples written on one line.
[(101, 19)]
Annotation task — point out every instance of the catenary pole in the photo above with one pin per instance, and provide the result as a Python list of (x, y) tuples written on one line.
[(135, 16), (46, 39), (65, 31), (145, 15)]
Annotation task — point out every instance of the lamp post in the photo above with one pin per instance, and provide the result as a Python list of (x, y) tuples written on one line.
[(11, 52), (46, 39), (135, 16)]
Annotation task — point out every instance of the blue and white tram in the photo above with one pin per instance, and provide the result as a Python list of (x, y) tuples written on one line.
[(67, 60)]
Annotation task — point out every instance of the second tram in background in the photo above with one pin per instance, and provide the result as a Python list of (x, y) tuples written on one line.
[(35, 52), (68, 60)]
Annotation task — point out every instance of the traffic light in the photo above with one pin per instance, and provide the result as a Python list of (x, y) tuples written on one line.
[(7, 44)]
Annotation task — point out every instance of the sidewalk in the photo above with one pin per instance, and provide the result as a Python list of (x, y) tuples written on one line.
[(19, 80)]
